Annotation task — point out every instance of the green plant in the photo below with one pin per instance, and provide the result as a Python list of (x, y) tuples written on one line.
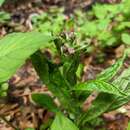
[(128, 128), (103, 26), (54, 18), (29, 129), (1, 2), (4, 16), (14, 50), (63, 80), (110, 20)]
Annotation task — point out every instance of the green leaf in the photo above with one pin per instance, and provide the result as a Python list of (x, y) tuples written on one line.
[(99, 11), (126, 38), (89, 29), (107, 102), (99, 106), (1, 2), (126, 4), (99, 86), (41, 66), (123, 25), (79, 71), (70, 69), (117, 102), (44, 27), (52, 77), (60, 88), (123, 81), (103, 24), (4, 17), (29, 129), (63, 123), (16, 48), (110, 72), (104, 36), (45, 101), (3, 89), (128, 128), (111, 41)]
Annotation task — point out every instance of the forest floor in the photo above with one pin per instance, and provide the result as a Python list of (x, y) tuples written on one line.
[(18, 107)]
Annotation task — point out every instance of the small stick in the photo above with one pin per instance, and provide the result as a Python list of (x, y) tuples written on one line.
[(89, 100), (10, 124)]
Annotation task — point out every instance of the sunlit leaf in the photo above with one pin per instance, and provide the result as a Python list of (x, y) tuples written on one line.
[(126, 38), (1, 2), (63, 123), (110, 72), (16, 48), (45, 101), (99, 86)]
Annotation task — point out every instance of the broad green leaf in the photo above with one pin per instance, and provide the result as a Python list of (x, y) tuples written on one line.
[(44, 27), (123, 81), (89, 28), (126, 4), (103, 24), (63, 123), (99, 86), (1, 2), (99, 11), (104, 103), (110, 72), (45, 101), (16, 48), (106, 11), (104, 36), (107, 102), (126, 38), (111, 41)]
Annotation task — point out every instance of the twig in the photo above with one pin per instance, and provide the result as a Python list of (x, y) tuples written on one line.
[(88, 102), (10, 124)]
